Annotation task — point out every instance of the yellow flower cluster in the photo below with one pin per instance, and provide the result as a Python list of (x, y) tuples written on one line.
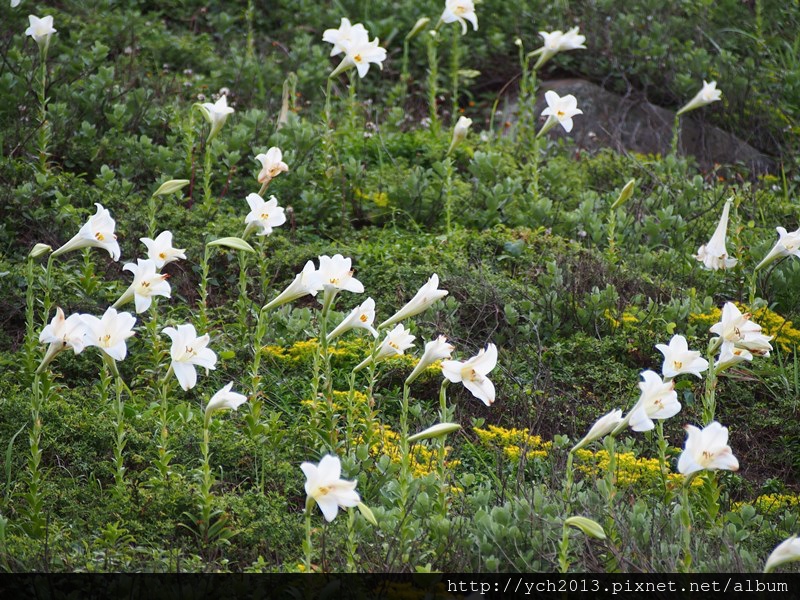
[(626, 319), (771, 504), (354, 350), (786, 336), (339, 401), (423, 458), (631, 470), (380, 199), (513, 442)]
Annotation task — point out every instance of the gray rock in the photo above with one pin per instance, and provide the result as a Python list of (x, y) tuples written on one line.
[(631, 124)]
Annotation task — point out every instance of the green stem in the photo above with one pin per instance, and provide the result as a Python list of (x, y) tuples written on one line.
[(676, 129), (44, 133), (448, 194), (570, 475), (444, 417), (454, 64), (242, 300), (164, 454), (307, 542), (203, 289), (35, 496), (31, 339), (709, 395), (686, 525), (48, 284), (433, 75), (118, 409), (662, 460), (208, 201), (563, 550), (352, 544)]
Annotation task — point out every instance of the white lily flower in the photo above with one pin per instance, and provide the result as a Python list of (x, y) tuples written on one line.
[(437, 349), (160, 250), (707, 449), (272, 165), (602, 427), (216, 114), (62, 334), (738, 329), (730, 355), (396, 342), (556, 42), (714, 255), (425, 297), (678, 359), (787, 551), (361, 316), (97, 232), (658, 400), (41, 30), (188, 351), (264, 214), (325, 486), (708, 94), (472, 373), (147, 282), (359, 53), (461, 11), (225, 399), (787, 245), (308, 282), (459, 132), (559, 110), (346, 34), (336, 274), (110, 333)]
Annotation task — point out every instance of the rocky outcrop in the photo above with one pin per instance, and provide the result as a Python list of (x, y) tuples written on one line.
[(630, 123)]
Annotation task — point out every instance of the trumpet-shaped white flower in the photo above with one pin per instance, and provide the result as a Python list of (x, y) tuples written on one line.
[(225, 399), (110, 333), (264, 214), (556, 42), (678, 359), (325, 485), (346, 34), (730, 355), (61, 334), (216, 113), (708, 94), (437, 349), (714, 255), (787, 551), (360, 53), (422, 300), (707, 449), (737, 328), (41, 30), (361, 316), (559, 110), (307, 282), (602, 427), (472, 373), (336, 274), (147, 282), (396, 342), (459, 132), (461, 11), (188, 351), (97, 232), (658, 400), (787, 245), (160, 250), (272, 165)]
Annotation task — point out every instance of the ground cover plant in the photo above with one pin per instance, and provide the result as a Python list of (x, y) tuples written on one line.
[(280, 292)]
